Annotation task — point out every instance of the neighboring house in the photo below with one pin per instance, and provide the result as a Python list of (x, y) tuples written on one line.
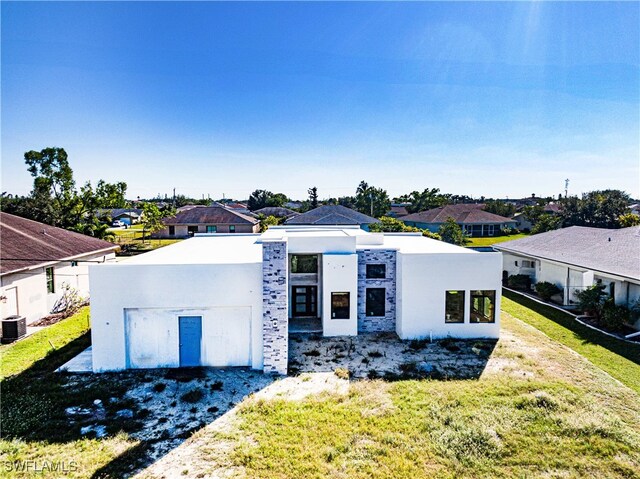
[(36, 262), (238, 207), (398, 210), (577, 257), (333, 215), (231, 300), (293, 205), (128, 216), (277, 211), (634, 209), (469, 216), (524, 224), (207, 219)]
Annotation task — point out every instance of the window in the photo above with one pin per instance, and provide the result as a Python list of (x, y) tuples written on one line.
[(192, 230), (51, 287), (304, 263), (528, 264), (375, 303), (172, 230), (454, 307), (212, 229), (376, 271), (483, 307), (340, 305), (232, 228), (612, 289), (490, 230)]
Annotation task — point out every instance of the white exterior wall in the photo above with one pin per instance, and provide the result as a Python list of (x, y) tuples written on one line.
[(29, 287), (421, 294), (340, 275), (215, 292)]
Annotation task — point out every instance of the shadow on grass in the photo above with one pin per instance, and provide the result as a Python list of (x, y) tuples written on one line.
[(35, 406), (581, 332)]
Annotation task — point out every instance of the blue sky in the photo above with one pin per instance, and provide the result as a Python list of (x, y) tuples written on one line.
[(494, 99)]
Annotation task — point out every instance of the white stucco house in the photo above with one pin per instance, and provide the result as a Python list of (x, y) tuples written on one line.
[(577, 257), (232, 300), (37, 261)]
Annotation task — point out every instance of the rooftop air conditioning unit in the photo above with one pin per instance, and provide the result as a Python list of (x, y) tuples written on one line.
[(13, 328)]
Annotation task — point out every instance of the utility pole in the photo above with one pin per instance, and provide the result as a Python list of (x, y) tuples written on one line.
[(174, 197), (371, 198), (566, 187)]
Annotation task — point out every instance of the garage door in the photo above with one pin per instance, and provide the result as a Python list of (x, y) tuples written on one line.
[(153, 337)]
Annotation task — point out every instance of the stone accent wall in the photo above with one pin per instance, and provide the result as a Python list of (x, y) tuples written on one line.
[(367, 324), (275, 321)]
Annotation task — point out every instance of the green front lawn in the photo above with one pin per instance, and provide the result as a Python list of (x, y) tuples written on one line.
[(488, 241), (21, 355), (619, 358)]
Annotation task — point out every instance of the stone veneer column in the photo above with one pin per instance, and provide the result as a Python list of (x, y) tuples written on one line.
[(369, 324), (275, 321)]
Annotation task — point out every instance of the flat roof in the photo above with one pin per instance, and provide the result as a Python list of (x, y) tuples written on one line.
[(416, 244), (247, 248), (218, 249)]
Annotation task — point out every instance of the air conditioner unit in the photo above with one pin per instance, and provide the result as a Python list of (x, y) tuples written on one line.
[(13, 328)]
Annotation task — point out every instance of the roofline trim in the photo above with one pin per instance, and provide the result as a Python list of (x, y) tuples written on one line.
[(53, 261)]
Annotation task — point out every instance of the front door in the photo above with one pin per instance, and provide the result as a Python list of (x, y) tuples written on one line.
[(190, 329), (305, 301)]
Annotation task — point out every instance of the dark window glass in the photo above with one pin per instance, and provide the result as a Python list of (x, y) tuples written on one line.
[(51, 287), (304, 263), (376, 271), (232, 228), (212, 229), (454, 307), (375, 302), (483, 307), (172, 230), (340, 305), (192, 230)]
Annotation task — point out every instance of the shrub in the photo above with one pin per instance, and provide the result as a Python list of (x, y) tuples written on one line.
[(614, 317), (590, 300), (519, 281), (342, 373), (545, 290), (508, 231), (159, 387), (192, 396)]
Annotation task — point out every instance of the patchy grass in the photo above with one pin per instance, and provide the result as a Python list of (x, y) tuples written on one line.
[(488, 241), (18, 356), (35, 424), (563, 418), (618, 358)]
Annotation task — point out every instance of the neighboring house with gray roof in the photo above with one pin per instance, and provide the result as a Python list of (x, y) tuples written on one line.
[(333, 215), (207, 219), (577, 257), (471, 217), (277, 211)]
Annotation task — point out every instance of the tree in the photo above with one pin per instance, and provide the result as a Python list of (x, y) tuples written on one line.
[(151, 218), (371, 200), (393, 225), (598, 209), (111, 195), (546, 222), (263, 198), (54, 199), (425, 200), (313, 197), (53, 193), (628, 219), (451, 232), (501, 208), (266, 221)]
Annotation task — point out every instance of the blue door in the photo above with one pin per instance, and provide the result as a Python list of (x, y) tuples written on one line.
[(190, 328)]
